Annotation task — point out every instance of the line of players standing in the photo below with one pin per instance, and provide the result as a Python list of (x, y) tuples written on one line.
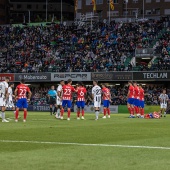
[(63, 96), (135, 102)]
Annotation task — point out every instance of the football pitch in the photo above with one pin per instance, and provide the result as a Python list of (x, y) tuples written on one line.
[(118, 143)]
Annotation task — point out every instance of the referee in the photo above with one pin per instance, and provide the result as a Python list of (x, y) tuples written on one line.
[(52, 95)]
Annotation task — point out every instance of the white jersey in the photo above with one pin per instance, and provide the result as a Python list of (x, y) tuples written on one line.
[(164, 98), (96, 91), (10, 92), (59, 89), (59, 101), (3, 87)]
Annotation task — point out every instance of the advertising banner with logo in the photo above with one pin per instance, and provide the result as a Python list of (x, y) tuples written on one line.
[(75, 76), (152, 76), (90, 109), (2, 77), (33, 77), (111, 76), (44, 108)]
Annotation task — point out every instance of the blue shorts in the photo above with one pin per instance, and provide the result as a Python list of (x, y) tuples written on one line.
[(141, 104), (106, 103), (22, 103), (66, 102), (136, 102), (80, 104), (130, 101)]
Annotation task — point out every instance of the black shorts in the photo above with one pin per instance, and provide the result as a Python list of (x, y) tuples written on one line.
[(52, 101)]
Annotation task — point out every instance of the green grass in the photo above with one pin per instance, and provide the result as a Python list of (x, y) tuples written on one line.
[(118, 130)]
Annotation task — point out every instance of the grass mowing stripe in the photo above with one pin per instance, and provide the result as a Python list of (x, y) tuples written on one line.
[(86, 144)]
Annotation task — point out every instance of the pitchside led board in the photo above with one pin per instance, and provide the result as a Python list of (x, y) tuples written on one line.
[(75, 76), (152, 76), (112, 76), (33, 77)]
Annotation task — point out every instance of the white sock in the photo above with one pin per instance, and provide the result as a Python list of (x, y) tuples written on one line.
[(97, 114), (164, 113), (3, 115), (58, 112)]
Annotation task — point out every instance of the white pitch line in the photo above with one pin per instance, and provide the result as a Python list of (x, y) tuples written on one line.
[(87, 144)]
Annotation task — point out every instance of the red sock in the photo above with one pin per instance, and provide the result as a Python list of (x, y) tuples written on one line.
[(130, 110), (68, 113), (62, 112), (104, 111), (108, 111), (142, 111), (25, 114), (16, 114), (78, 113), (136, 109), (83, 112)]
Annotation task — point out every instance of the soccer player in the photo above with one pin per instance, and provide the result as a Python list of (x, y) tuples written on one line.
[(141, 101), (10, 103), (106, 101), (52, 95), (163, 102), (96, 95), (3, 97), (81, 92), (67, 91), (22, 100), (130, 100), (59, 98), (136, 99)]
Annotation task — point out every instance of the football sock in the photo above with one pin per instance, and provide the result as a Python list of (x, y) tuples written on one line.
[(83, 112), (164, 113), (129, 110), (69, 113), (136, 109), (62, 112), (3, 115), (108, 111), (104, 111), (51, 111), (25, 114), (97, 114), (58, 112), (16, 114), (142, 111), (78, 113), (132, 110), (55, 110)]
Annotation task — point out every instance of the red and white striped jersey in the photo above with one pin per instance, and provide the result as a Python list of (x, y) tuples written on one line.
[(81, 91), (141, 94), (106, 93), (22, 91), (67, 92)]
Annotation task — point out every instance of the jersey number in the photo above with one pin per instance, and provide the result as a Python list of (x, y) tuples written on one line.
[(22, 92), (98, 91), (81, 93), (67, 92)]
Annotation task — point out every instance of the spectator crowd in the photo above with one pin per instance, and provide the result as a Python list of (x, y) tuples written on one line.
[(58, 48)]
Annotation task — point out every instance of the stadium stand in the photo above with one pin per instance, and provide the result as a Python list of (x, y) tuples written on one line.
[(57, 48)]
